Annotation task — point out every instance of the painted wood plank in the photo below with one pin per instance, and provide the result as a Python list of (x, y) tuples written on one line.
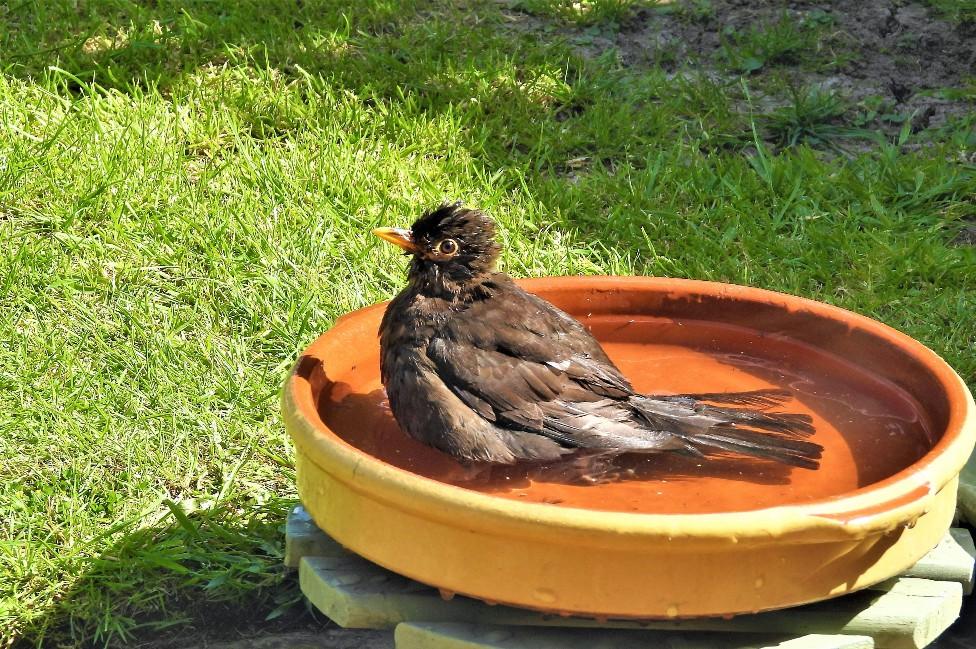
[(416, 635), (903, 613), (951, 560), (356, 593), (303, 538), (818, 641)]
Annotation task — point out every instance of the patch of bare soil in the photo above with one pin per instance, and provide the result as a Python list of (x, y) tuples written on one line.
[(296, 632), (331, 639), (898, 50), (967, 237), (227, 626), (894, 55)]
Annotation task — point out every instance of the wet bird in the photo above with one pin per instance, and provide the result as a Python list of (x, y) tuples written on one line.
[(480, 369)]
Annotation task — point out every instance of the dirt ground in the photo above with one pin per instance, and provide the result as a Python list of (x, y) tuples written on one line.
[(894, 58), (296, 630), (892, 64), (900, 51), (960, 636)]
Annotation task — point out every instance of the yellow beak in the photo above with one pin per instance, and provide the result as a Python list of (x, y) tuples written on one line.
[(398, 237)]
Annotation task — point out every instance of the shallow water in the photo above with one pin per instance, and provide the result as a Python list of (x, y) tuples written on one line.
[(868, 427)]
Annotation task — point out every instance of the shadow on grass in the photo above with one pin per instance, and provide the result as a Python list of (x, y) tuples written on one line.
[(209, 574), (129, 45), (516, 97)]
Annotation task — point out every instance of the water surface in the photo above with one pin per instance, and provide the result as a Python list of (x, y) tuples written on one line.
[(869, 428)]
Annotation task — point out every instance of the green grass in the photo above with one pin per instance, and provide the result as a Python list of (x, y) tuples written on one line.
[(186, 193), (959, 11), (813, 116), (693, 11), (784, 42), (583, 12)]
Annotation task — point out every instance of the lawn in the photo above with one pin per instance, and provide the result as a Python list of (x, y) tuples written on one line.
[(187, 189)]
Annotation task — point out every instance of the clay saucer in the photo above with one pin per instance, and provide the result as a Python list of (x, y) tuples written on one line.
[(659, 536)]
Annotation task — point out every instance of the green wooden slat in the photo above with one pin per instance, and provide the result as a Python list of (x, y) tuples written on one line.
[(303, 538), (951, 560), (416, 635), (906, 612), (903, 613)]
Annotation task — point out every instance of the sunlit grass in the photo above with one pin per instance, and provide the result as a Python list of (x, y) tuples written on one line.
[(186, 192)]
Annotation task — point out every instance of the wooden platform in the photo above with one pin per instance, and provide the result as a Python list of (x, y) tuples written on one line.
[(909, 611)]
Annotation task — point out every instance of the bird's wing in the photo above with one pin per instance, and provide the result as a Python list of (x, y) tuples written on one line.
[(519, 362), (522, 394), (522, 326), (500, 388)]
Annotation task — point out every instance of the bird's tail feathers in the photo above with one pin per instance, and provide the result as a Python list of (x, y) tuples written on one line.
[(788, 423), (762, 399), (795, 452), (759, 399), (758, 433)]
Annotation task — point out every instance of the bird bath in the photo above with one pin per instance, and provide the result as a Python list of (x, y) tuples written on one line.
[(654, 536)]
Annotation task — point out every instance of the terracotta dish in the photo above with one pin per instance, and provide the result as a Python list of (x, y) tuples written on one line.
[(658, 536)]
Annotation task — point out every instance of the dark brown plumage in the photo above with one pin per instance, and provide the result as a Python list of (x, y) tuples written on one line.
[(478, 368)]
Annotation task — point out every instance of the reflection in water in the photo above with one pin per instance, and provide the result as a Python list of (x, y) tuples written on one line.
[(843, 399), (869, 429)]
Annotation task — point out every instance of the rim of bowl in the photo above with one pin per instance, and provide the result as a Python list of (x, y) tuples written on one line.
[(881, 506)]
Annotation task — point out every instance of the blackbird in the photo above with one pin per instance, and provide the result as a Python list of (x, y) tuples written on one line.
[(480, 369)]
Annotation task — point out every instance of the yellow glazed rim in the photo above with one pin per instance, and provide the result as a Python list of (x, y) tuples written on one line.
[(896, 501)]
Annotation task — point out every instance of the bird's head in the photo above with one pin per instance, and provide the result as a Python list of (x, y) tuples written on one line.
[(452, 247)]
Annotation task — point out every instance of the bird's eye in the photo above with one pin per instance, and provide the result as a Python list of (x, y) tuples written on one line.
[(447, 247)]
